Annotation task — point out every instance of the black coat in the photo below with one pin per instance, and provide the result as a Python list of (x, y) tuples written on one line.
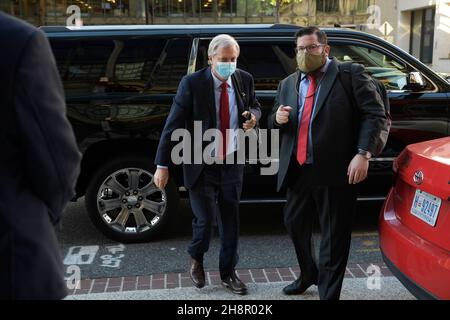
[(39, 164), (195, 101), (338, 128)]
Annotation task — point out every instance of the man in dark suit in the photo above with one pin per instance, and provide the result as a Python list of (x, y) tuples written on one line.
[(39, 164), (218, 97), (326, 144)]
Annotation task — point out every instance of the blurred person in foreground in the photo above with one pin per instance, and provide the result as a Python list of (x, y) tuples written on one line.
[(39, 164)]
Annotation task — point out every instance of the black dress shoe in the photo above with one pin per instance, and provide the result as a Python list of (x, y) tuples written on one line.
[(234, 284), (197, 273), (298, 286)]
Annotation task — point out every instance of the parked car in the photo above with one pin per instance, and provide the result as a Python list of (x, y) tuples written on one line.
[(415, 220), (120, 81)]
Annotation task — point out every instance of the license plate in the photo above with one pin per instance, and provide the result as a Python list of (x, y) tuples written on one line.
[(426, 207)]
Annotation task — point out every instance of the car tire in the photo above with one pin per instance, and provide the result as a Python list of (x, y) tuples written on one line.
[(125, 205)]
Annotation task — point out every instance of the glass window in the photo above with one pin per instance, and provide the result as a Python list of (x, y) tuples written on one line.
[(88, 8), (415, 34), (226, 8), (116, 8), (267, 62), (207, 7), (10, 7), (427, 35), (176, 8), (422, 34), (327, 6), (56, 8), (20, 8), (138, 65), (382, 67), (160, 8), (258, 8), (81, 64), (152, 65), (362, 5), (192, 8)]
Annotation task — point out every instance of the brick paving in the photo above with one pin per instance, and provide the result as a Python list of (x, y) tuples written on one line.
[(182, 280)]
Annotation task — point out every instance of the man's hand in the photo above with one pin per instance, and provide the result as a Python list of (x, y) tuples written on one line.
[(357, 169), (161, 177), (249, 124), (282, 115)]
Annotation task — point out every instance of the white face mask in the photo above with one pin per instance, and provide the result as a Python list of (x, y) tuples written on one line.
[(225, 69)]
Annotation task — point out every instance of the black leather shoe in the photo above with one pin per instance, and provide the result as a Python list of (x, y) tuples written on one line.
[(197, 273), (234, 284), (298, 286)]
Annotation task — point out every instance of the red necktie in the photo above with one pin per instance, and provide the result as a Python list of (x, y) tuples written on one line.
[(224, 117), (305, 120)]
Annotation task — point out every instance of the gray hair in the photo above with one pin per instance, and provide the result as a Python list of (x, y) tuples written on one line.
[(222, 41)]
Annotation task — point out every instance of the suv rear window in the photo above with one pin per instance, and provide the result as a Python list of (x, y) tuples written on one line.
[(268, 63), (389, 71), (121, 65)]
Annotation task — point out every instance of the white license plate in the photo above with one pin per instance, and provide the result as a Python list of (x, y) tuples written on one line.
[(426, 207)]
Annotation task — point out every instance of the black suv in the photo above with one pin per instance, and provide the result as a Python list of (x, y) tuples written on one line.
[(120, 81)]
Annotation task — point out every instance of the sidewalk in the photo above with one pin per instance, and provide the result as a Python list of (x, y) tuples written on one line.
[(263, 284)]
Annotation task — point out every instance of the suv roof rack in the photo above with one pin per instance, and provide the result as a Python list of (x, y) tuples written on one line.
[(158, 26), (285, 26), (54, 28)]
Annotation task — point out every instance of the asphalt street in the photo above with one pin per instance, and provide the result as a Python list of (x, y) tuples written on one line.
[(263, 243)]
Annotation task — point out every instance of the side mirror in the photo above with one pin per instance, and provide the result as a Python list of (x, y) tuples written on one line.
[(444, 75), (415, 81)]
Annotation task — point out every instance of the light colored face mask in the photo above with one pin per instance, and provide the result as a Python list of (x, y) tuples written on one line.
[(225, 69), (308, 62)]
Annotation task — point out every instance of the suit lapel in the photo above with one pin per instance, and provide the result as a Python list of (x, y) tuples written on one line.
[(237, 93), (211, 100), (326, 85), (293, 98)]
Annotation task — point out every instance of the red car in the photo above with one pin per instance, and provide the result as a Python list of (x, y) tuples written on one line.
[(415, 220)]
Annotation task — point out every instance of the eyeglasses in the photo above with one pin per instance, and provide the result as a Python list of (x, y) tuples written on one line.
[(310, 48)]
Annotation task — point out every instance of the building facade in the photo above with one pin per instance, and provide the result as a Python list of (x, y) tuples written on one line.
[(302, 12), (421, 27), (424, 31)]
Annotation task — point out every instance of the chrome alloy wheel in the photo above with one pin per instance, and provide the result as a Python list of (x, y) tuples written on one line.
[(129, 202)]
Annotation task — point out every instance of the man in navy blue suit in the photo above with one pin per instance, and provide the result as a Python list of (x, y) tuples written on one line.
[(220, 97)]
